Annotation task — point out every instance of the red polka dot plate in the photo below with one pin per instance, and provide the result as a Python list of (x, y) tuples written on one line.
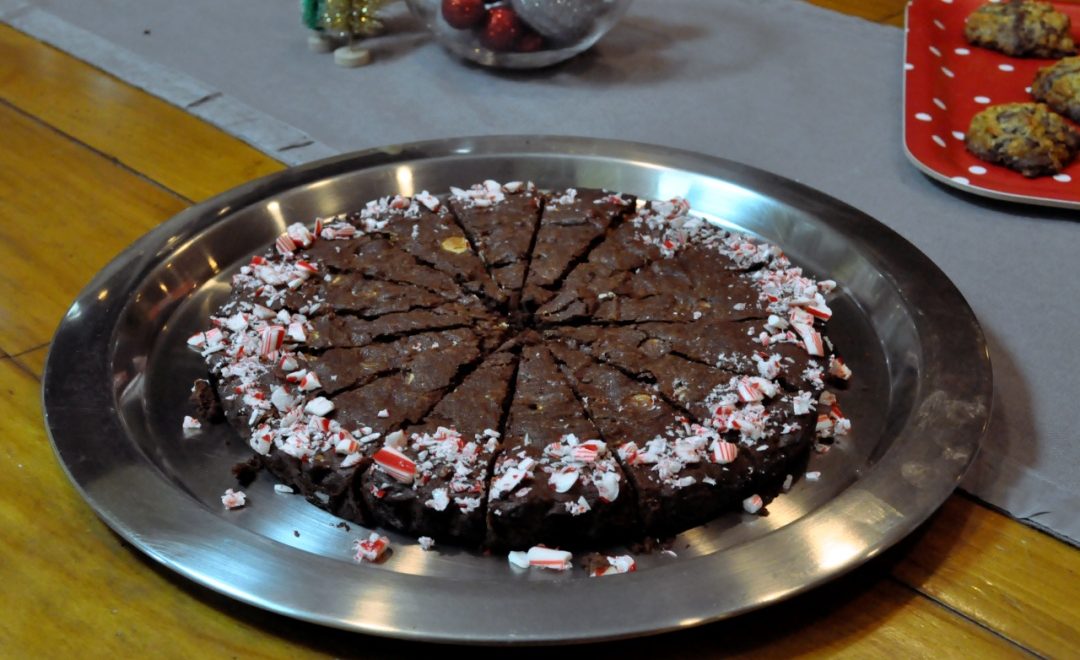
[(947, 81)]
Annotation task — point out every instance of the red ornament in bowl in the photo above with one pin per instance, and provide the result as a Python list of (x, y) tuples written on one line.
[(462, 14), (502, 29)]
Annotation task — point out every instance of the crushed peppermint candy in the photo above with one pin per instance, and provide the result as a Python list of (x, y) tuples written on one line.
[(191, 424), (752, 504), (234, 499), (283, 489), (617, 564), (549, 558), (813, 476), (371, 548), (569, 463), (518, 558), (426, 543)]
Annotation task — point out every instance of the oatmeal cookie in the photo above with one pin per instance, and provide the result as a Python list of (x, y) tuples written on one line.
[(1058, 86), (1026, 137), (1021, 28)]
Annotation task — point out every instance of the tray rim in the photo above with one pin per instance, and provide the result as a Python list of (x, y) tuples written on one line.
[(62, 419)]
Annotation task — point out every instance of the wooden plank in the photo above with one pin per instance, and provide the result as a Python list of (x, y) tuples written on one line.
[(1008, 577), (896, 20), (78, 587), (871, 10), (148, 135), (33, 360), (76, 581), (67, 212)]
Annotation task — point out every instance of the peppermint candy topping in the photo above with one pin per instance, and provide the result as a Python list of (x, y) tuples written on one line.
[(615, 565), (371, 548), (396, 464), (234, 499)]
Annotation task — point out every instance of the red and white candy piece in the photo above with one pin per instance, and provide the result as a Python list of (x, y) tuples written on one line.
[(753, 504), (396, 464), (260, 442), (819, 309), (296, 332), (588, 451), (320, 406), (346, 443), (371, 548), (617, 564), (281, 399), (234, 499), (351, 460), (270, 339), (285, 244), (300, 235), (838, 369), (749, 391), (310, 382), (607, 486), (811, 339), (427, 199), (723, 452), (564, 479), (549, 558), (191, 424)]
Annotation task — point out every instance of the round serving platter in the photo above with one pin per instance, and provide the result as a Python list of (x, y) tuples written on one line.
[(117, 381)]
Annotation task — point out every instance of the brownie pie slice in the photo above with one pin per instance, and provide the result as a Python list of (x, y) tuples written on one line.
[(683, 473), (424, 227), (500, 222), (573, 222), (343, 331), (687, 287), (431, 479), (556, 482)]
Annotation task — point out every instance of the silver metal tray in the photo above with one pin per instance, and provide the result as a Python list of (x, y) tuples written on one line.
[(117, 380)]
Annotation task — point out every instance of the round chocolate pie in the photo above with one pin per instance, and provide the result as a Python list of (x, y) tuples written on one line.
[(505, 366)]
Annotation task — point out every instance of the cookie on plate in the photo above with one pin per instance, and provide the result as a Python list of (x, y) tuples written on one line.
[(1058, 86), (1026, 137), (1021, 28)]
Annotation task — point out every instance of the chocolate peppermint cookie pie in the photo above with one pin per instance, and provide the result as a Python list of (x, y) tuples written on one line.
[(506, 366)]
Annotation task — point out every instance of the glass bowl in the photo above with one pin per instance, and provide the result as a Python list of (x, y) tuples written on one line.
[(518, 34)]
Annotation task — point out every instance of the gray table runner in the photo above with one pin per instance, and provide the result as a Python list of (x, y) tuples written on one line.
[(803, 92)]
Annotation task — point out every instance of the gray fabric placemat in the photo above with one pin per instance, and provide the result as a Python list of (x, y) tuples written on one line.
[(784, 86)]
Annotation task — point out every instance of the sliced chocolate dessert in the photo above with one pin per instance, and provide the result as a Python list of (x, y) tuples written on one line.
[(424, 227), (431, 479), (683, 383), (573, 222), (332, 330), (500, 221), (377, 258), (682, 289), (683, 473), (419, 383), (499, 369), (556, 482), (635, 243)]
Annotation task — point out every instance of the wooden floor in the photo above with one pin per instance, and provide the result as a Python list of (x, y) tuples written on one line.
[(88, 164)]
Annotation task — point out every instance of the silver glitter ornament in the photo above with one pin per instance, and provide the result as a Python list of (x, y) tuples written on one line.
[(560, 20)]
